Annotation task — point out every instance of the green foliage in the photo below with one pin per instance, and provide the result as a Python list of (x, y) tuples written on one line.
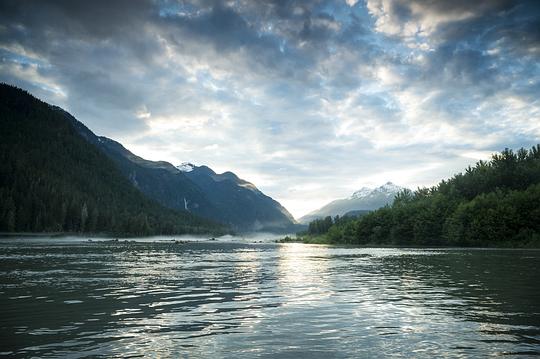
[(496, 217), (320, 226), (328, 226), (495, 203), (53, 180)]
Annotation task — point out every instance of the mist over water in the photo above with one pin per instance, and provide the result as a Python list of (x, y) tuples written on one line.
[(68, 297)]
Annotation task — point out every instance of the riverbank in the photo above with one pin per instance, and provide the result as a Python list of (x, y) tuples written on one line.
[(322, 239), (109, 235)]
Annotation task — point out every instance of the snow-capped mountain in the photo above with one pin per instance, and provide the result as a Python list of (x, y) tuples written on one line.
[(364, 199)]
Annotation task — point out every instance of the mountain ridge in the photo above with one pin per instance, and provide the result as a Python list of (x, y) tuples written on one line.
[(225, 197), (241, 202), (196, 191)]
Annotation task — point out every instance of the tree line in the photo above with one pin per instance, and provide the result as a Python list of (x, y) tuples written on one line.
[(494, 203)]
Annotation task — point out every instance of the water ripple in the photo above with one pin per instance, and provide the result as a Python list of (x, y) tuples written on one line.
[(129, 299)]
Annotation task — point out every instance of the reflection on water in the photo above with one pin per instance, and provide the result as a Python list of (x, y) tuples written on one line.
[(64, 298), (301, 280)]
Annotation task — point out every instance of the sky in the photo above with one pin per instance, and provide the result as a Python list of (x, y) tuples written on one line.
[(309, 100)]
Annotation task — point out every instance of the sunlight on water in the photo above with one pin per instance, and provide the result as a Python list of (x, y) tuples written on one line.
[(300, 278), (230, 298)]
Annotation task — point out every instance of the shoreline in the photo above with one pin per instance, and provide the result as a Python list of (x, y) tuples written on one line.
[(97, 235), (325, 242), (284, 240)]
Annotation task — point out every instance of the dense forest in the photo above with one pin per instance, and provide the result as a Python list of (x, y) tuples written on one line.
[(495, 203), (53, 180), (322, 225)]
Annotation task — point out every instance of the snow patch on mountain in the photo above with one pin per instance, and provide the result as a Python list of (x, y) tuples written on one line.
[(389, 189), (186, 167), (362, 192)]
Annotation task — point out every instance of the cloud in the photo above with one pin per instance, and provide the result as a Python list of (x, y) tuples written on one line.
[(409, 18), (307, 99)]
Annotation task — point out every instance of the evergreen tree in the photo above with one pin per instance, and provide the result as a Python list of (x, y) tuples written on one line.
[(493, 203)]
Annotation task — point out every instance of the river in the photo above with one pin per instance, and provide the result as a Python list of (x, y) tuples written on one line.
[(70, 297)]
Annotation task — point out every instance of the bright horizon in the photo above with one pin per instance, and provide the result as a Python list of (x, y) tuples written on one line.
[(301, 207), (308, 101)]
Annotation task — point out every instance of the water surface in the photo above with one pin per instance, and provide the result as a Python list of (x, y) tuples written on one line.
[(73, 298)]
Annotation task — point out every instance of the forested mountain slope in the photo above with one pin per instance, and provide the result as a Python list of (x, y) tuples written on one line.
[(223, 198), (54, 180)]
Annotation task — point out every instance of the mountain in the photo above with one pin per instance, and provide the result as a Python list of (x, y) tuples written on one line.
[(54, 179), (223, 198), (158, 180), (238, 202), (361, 200)]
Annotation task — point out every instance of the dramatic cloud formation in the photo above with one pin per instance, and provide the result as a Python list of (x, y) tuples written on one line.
[(310, 100)]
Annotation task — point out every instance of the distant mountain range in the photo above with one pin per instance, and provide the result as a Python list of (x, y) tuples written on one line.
[(365, 199), (222, 198)]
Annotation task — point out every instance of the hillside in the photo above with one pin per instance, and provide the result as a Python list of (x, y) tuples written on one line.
[(158, 180), (53, 180)]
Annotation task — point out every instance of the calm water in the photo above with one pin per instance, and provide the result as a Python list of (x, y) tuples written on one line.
[(66, 298)]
